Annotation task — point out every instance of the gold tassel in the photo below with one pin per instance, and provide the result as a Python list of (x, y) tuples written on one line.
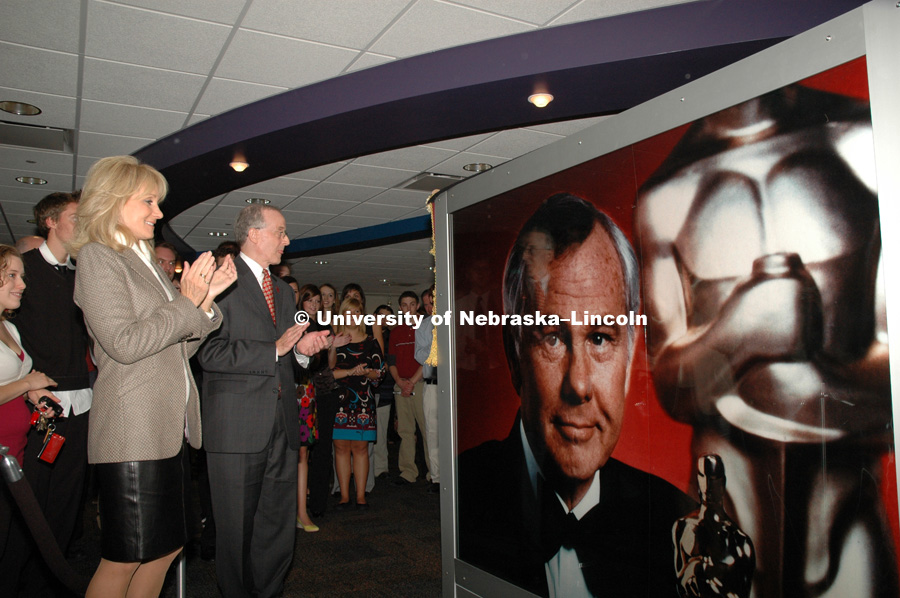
[(432, 355)]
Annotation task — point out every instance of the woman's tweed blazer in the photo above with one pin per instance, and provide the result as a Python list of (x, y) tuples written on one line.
[(142, 343)]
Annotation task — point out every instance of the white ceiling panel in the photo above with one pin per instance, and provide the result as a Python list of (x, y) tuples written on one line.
[(597, 9), (319, 173), (280, 186), (460, 143), (402, 197), (304, 219), (282, 61), (341, 191), (455, 164), (103, 117), (133, 85), (35, 160), (98, 145), (372, 176), (57, 111), (138, 36), (367, 60), (538, 13), (347, 23), (419, 159), (224, 94), (378, 211), (56, 28), (355, 221), (567, 127), (218, 11), (430, 25), (320, 206), (509, 144), (35, 69), (55, 182), (12, 192)]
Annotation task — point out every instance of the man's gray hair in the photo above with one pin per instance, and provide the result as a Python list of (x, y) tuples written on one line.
[(250, 217), (567, 221)]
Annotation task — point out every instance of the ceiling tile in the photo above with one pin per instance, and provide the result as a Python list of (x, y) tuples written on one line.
[(47, 24), (56, 111), (509, 144), (373, 176), (55, 182), (417, 32), (22, 198), (417, 159), (568, 127), (460, 143), (280, 186), (538, 13), (355, 221), (320, 173), (348, 23), (220, 11), (146, 86), (587, 10), (18, 159), (100, 146), (238, 199), (368, 60), (401, 197), (320, 206), (195, 118), (102, 117), (39, 70), (149, 38), (275, 60), (377, 210), (307, 220), (342, 191), (455, 164), (224, 94)]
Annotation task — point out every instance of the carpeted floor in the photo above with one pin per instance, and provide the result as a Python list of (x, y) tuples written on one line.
[(391, 549)]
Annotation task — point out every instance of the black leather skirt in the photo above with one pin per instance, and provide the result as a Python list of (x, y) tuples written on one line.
[(141, 509)]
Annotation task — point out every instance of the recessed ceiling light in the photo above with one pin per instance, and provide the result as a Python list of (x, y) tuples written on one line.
[(320, 262), (20, 108), (239, 166), (31, 180), (477, 167), (217, 234), (264, 202), (540, 99)]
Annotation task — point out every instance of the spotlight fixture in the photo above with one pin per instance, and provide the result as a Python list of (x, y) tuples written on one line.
[(239, 166), (217, 234), (320, 262), (259, 200), (540, 99), (477, 167), (20, 108), (31, 180)]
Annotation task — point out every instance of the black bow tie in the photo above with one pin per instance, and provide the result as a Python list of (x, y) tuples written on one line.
[(558, 528)]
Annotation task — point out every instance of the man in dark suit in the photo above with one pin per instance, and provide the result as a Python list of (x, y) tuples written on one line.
[(547, 508), (250, 416)]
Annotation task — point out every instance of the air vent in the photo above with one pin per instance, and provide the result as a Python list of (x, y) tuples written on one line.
[(36, 137), (429, 181)]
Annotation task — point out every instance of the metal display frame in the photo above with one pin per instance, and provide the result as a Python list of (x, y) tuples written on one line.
[(870, 30)]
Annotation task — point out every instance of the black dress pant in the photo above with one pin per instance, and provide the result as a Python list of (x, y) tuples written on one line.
[(320, 456)]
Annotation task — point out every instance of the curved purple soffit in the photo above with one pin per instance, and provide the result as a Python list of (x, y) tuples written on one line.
[(594, 67)]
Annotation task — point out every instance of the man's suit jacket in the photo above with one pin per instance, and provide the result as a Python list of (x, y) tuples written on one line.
[(241, 377), (142, 344), (500, 523)]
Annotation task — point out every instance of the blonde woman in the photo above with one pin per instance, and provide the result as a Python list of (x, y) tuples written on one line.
[(144, 332), (357, 367)]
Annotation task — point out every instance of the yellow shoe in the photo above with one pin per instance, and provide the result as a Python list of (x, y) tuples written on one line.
[(307, 528)]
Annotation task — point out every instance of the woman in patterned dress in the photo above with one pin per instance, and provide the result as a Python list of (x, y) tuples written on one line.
[(358, 366)]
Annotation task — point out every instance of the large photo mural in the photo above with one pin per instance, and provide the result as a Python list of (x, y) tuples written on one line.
[(690, 395)]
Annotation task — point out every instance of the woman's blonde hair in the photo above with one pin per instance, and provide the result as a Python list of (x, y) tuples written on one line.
[(110, 183), (346, 305), (6, 252)]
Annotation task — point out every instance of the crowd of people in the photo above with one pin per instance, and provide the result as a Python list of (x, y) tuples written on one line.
[(156, 371)]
